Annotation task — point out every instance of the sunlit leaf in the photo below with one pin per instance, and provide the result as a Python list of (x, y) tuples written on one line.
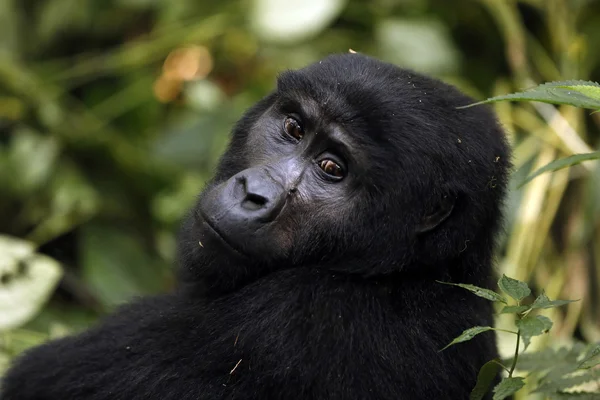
[(562, 163), (27, 279), (569, 381), (421, 44), (293, 20), (592, 359), (583, 94)]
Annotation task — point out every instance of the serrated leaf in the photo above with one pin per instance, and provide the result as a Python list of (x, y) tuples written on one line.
[(573, 396), (592, 359), (562, 163), (584, 94), (485, 378), (567, 382), (514, 309), (468, 335), (481, 292), (542, 301), (507, 387), (516, 289), (531, 326)]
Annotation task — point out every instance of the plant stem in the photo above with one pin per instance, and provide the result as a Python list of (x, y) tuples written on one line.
[(514, 363), (501, 365), (506, 330)]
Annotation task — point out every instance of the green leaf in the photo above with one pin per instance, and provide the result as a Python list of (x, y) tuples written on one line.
[(485, 377), (543, 301), (562, 163), (584, 94), (481, 292), (116, 265), (468, 335), (567, 382), (573, 396), (592, 359), (531, 326), (28, 280), (516, 289), (508, 387), (514, 309)]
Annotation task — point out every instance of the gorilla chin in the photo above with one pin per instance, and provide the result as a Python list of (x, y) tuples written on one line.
[(308, 267)]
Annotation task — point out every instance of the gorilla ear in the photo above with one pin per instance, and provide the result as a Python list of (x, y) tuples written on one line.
[(441, 212)]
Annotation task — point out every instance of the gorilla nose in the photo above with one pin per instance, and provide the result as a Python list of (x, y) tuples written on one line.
[(262, 196)]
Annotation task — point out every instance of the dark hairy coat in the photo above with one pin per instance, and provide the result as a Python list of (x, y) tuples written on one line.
[(341, 301)]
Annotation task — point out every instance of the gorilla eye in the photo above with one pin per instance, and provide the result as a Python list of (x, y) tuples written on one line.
[(331, 168), (293, 128)]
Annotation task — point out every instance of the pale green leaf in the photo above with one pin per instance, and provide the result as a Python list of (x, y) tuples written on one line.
[(584, 94), (507, 387), (293, 20), (542, 301), (468, 335), (567, 382), (481, 292), (28, 280), (531, 326), (592, 359), (562, 163), (516, 289), (514, 309)]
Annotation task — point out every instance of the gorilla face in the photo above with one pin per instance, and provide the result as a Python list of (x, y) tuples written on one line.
[(354, 165)]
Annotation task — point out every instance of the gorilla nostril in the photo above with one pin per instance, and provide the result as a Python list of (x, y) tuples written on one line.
[(254, 202)]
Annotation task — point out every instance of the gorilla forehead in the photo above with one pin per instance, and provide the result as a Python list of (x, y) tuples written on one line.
[(397, 111), (348, 89)]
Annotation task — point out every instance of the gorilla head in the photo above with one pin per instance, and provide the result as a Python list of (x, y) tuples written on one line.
[(352, 165)]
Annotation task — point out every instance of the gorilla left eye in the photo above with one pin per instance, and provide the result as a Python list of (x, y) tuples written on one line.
[(293, 128), (331, 168)]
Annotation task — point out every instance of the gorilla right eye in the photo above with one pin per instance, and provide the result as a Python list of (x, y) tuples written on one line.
[(293, 128), (332, 168)]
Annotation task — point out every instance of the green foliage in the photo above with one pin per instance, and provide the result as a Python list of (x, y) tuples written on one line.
[(486, 376), (507, 387), (574, 368), (485, 293), (562, 163), (542, 302), (468, 335), (531, 326), (96, 170), (514, 288), (574, 93)]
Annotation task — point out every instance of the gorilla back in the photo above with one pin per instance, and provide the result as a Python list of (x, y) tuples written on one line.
[(308, 267)]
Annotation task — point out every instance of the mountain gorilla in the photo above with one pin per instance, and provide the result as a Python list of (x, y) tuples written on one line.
[(309, 265)]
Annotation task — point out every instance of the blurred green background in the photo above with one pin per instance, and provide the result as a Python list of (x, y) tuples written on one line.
[(114, 112)]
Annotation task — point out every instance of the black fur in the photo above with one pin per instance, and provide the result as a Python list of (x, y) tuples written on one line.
[(335, 296)]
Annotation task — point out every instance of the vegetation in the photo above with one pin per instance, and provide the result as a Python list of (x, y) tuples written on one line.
[(113, 113)]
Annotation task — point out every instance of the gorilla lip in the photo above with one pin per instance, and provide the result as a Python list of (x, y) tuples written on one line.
[(220, 236)]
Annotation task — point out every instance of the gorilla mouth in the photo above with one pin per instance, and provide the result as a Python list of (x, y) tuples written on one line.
[(222, 238)]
